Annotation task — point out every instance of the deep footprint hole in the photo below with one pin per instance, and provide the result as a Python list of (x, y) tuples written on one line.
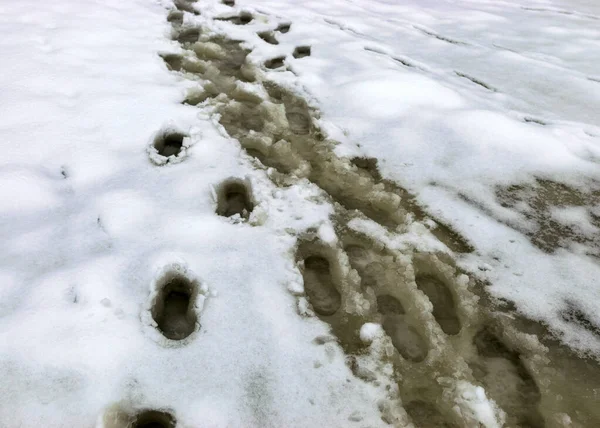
[(173, 308), (268, 37), (174, 62), (234, 197), (243, 18), (153, 419), (283, 28), (229, 3), (175, 17), (169, 143), (185, 6), (301, 51), (274, 63)]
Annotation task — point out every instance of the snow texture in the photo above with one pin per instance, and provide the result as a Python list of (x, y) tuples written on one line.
[(456, 100), (89, 223)]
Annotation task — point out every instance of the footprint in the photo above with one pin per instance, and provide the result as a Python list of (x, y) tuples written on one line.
[(173, 308), (405, 338), (370, 272), (169, 143), (368, 165), (153, 419), (507, 381), (243, 18), (274, 63), (229, 3), (444, 308), (233, 197), (268, 37), (117, 417), (185, 6), (298, 120), (425, 415), (318, 285), (175, 17), (174, 61), (189, 35), (240, 119), (301, 51), (283, 28)]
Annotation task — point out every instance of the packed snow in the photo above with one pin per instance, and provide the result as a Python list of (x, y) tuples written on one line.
[(390, 76)]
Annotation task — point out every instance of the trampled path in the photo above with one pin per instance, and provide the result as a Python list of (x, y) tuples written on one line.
[(410, 321)]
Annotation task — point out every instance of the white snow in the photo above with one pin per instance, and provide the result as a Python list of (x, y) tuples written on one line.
[(473, 405), (370, 331), (89, 223)]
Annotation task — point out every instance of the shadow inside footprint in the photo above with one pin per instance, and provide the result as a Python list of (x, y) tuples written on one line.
[(173, 308), (234, 198), (241, 19), (174, 61), (175, 17), (318, 285), (368, 165), (153, 419), (444, 309), (268, 37), (185, 6), (405, 338), (169, 143), (301, 51), (189, 35), (229, 3), (283, 28), (274, 63)]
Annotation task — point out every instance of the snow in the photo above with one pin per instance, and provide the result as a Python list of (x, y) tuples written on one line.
[(455, 99), (474, 405), (450, 140), (370, 331), (89, 223)]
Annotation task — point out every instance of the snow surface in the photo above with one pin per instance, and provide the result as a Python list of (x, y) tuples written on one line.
[(390, 76), (89, 223)]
